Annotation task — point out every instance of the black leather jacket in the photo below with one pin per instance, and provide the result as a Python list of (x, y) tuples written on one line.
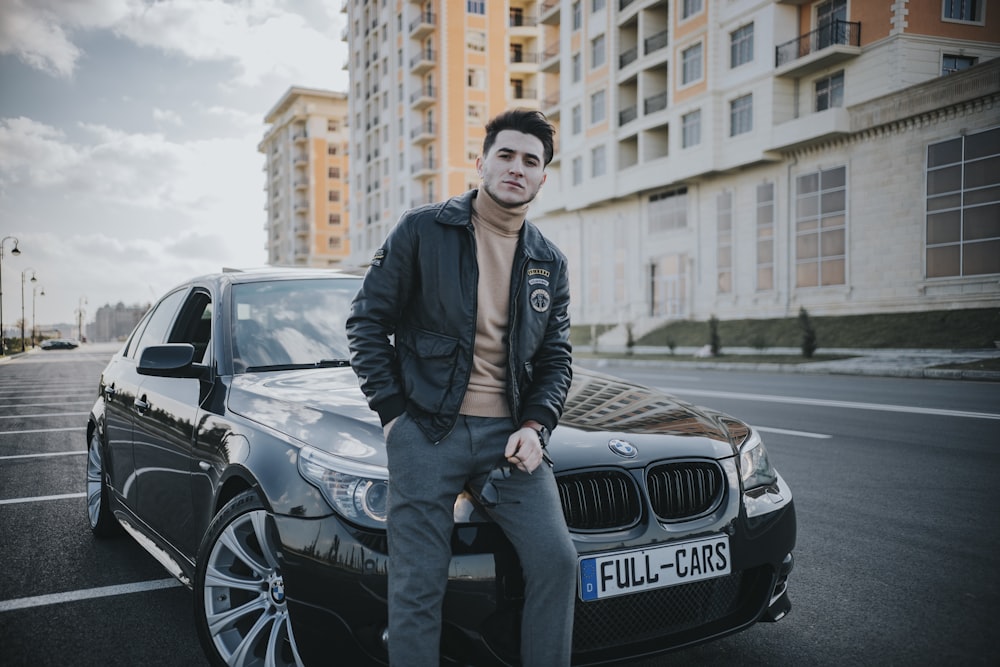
[(421, 288)]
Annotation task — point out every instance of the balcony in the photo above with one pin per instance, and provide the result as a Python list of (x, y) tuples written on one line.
[(423, 168), (826, 46), (627, 57), (424, 97), (423, 25), (550, 58), (550, 12), (655, 42), (654, 103), (423, 61), (423, 133), (627, 115)]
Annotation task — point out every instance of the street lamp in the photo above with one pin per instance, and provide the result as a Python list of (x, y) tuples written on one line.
[(34, 280), (15, 251), (79, 322), (35, 291)]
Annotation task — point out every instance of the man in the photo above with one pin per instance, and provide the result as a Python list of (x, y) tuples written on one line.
[(477, 301)]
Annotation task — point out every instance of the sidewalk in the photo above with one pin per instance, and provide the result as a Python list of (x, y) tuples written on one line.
[(876, 362)]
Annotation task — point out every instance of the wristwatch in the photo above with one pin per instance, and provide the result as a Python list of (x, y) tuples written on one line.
[(543, 436)]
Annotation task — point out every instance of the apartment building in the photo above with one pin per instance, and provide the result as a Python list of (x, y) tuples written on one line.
[(306, 161), (425, 77), (736, 158)]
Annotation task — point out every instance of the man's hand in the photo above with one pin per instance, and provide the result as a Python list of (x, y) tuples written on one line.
[(524, 449)]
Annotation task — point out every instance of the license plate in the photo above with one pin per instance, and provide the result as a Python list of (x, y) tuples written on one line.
[(625, 572)]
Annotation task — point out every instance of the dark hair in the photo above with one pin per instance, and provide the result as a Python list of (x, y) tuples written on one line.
[(522, 120)]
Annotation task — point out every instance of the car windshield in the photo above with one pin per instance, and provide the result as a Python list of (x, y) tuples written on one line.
[(291, 323)]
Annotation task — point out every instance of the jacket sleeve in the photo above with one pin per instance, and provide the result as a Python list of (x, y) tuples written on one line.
[(553, 362), (375, 312)]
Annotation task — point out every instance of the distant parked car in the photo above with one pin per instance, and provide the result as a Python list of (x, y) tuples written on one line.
[(231, 440), (58, 344)]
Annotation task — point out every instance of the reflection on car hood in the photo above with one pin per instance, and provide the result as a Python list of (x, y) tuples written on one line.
[(321, 407), (326, 409)]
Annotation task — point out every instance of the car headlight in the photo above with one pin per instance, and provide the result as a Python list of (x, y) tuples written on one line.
[(357, 492), (755, 469)]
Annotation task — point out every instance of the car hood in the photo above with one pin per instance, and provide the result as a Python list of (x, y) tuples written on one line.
[(326, 409)]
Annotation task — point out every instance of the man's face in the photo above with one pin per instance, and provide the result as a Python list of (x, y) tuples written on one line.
[(514, 169)]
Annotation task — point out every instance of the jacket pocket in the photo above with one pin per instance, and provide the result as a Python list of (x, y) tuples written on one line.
[(427, 366)]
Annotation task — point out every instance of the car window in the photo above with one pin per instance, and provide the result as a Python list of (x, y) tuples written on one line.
[(159, 321), (133, 340), (290, 322), (194, 324)]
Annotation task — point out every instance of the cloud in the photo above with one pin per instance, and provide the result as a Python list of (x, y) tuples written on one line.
[(166, 116), (262, 38)]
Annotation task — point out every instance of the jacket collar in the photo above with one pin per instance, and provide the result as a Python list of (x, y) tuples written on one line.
[(457, 211)]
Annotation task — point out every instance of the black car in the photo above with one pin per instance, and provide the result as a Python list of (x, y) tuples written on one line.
[(231, 440), (58, 344)]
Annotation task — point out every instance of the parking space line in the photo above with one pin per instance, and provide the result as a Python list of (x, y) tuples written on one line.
[(35, 456), (53, 414), (87, 594), (38, 499), (44, 430), (41, 405)]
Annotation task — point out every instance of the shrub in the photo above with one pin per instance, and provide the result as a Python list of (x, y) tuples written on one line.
[(808, 333), (713, 335)]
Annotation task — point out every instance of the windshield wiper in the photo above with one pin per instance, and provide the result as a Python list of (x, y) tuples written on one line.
[(323, 363)]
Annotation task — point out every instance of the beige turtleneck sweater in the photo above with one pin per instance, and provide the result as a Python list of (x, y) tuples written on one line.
[(497, 232)]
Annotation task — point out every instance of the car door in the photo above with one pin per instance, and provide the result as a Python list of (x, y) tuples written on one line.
[(120, 385), (166, 416)]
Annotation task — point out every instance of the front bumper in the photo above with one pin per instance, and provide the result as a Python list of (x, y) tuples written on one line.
[(335, 579)]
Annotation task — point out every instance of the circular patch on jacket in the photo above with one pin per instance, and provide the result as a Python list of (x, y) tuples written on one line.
[(540, 300)]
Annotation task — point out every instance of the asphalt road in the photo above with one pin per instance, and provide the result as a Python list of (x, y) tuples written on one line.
[(893, 480)]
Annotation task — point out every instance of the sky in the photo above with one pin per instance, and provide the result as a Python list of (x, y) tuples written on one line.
[(128, 141)]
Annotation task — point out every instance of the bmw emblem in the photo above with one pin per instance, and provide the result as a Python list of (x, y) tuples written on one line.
[(278, 591), (624, 449)]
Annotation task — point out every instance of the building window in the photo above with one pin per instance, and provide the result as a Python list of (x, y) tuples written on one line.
[(475, 40), (741, 115), (690, 7), (765, 237), (577, 119), (963, 10), (597, 5), (741, 46), (577, 170), (333, 219), (951, 64), (963, 206), (691, 129), (475, 6), (333, 172), (830, 92), (597, 108), (577, 10), (820, 228), (331, 126), (334, 243), (333, 195), (331, 150), (597, 52), (724, 242), (668, 210), (577, 68), (691, 64), (475, 79), (598, 161)]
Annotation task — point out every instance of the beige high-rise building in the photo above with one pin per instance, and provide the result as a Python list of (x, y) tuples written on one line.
[(737, 158), (425, 78), (306, 160)]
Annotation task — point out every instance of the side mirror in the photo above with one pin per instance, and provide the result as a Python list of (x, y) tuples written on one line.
[(173, 360)]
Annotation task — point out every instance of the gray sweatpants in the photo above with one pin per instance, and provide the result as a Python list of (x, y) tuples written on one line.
[(424, 480)]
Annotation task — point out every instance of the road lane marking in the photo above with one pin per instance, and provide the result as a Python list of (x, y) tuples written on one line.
[(38, 499), (768, 429), (87, 594), (881, 407), (42, 405), (44, 430), (33, 456)]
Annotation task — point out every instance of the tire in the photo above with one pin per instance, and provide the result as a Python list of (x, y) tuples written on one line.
[(240, 609), (102, 521)]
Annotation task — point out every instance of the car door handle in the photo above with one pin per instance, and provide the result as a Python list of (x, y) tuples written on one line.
[(109, 391), (140, 405)]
